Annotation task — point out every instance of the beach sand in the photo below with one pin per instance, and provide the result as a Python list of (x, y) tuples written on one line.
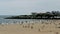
[(31, 28)]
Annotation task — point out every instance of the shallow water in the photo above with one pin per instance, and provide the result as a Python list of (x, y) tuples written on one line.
[(2, 20)]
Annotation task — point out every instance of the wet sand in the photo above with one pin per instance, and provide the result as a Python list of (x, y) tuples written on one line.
[(31, 28)]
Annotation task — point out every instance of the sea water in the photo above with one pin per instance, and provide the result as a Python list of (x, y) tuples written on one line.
[(18, 21)]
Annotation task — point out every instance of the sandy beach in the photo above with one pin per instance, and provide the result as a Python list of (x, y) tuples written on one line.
[(31, 28)]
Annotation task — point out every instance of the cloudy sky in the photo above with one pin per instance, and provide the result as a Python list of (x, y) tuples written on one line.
[(18, 7)]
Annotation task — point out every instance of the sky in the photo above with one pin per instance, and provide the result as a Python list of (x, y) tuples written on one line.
[(21, 7)]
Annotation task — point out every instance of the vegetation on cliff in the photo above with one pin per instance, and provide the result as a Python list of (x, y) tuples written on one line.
[(51, 15)]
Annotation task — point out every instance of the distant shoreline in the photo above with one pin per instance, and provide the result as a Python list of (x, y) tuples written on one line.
[(46, 15), (36, 18)]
